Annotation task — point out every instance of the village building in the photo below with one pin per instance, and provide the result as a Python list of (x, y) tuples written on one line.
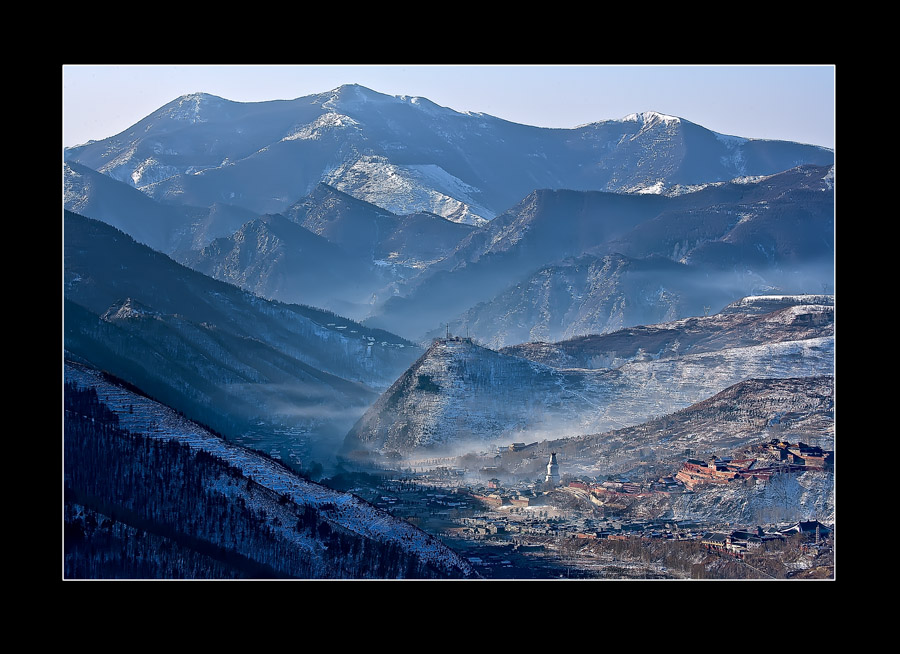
[(790, 458), (809, 456), (491, 499), (812, 529), (723, 543), (695, 471), (666, 485)]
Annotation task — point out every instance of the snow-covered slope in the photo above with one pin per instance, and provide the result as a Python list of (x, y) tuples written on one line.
[(781, 499), (140, 415), (729, 423), (735, 423), (791, 318), (459, 394)]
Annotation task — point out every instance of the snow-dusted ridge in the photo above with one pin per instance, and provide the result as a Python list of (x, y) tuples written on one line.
[(142, 415), (767, 303)]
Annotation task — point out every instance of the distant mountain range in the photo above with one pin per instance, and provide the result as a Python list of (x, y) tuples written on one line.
[(169, 228), (750, 322), (407, 154), (676, 218), (564, 263), (356, 202)]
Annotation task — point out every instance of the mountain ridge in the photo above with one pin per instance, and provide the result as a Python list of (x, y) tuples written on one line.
[(460, 394), (234, 361), (724, 242), (163, 154)]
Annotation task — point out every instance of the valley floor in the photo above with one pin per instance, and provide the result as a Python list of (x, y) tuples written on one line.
[(570, 540)]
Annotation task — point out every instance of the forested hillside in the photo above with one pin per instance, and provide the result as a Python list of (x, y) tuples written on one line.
[(141, 506)]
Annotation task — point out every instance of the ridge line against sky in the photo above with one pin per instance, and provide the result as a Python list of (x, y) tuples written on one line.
[(792, 103)]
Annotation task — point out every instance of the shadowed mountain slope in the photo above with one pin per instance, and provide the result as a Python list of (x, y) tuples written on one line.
[(212, 351)]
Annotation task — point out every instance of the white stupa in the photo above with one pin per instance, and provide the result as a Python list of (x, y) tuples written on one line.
[(552, 471)]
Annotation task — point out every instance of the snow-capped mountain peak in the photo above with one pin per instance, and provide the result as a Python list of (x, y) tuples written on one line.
[(191, 108), (650, 118), (354, 95)]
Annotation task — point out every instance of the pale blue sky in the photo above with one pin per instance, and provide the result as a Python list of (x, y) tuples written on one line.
[(795, 103)]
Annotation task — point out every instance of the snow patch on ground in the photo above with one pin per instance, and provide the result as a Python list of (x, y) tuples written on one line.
[(426, 105), (735, 160), (749, 179), (784, 498), (829, 179), (75, 190), (684, 189), (117, 168), (649, 188), (151, 171), (806, 299), (129, 309)]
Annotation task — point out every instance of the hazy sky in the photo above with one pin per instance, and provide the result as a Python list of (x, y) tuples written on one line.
[(794, 103)]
